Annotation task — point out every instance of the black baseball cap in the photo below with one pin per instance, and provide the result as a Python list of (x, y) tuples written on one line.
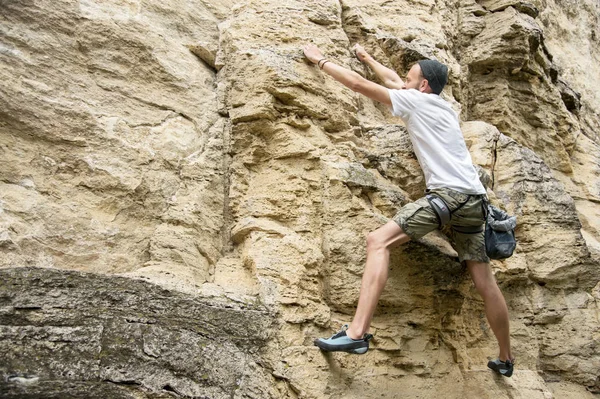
[(436, 74)]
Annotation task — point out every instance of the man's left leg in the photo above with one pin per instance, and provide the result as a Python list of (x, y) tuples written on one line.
[(471, 249), (496, 310)]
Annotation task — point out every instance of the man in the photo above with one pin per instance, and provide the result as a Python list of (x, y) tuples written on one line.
[(450, 176)]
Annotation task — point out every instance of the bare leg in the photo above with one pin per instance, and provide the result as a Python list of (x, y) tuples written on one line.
[(495, 305), (379, 243)]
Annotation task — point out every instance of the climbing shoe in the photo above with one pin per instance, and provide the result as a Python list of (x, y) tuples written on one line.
[(340, 342), (504, 368)]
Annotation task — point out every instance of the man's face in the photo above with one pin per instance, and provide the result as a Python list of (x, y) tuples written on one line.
[(414, 80)]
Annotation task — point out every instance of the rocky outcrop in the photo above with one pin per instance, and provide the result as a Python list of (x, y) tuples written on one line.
[(184, 199), (64, 333)]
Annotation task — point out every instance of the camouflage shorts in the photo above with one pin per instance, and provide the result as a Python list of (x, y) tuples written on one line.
[(418, 218)]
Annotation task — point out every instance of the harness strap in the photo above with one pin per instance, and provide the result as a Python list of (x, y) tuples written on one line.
[(468, 229), (442, 212), (484, 204)]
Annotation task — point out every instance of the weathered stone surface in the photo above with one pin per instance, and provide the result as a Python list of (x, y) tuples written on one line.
[(69, 331), (191, 145)]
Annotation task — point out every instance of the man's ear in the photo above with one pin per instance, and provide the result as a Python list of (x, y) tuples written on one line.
[(424, 86)]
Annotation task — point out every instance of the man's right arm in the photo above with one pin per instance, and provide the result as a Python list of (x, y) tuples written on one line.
[(389, 78)]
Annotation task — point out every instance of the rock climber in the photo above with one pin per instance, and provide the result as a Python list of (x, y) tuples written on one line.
[(454, 192)]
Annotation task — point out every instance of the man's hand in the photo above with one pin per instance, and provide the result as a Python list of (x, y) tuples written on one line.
[(313, 53), (360, 52), (348, 78), (390, 78)]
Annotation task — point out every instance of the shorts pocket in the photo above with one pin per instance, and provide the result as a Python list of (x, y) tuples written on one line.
[(471, 213), (409, 210), (416, 218)]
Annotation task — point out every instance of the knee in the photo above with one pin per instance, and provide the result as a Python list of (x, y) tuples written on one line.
[(483, 278), (375, 243), (487, 288)]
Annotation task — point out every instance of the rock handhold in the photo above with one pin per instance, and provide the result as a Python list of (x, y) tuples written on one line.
[(207, 52)]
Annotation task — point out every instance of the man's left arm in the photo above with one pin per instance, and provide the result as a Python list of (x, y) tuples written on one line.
[(348, 78)]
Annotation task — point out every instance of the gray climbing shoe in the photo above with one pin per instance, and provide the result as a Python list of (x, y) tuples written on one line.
[(503, 368), (340, 342)]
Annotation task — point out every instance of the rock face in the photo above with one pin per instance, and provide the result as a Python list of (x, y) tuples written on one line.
[(115, 336), (184, 199)]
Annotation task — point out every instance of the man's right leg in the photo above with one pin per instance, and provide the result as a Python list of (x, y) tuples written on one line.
[(412, 221), (379, 243)]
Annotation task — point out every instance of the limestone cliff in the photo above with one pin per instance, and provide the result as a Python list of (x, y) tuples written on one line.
[(184, 199)]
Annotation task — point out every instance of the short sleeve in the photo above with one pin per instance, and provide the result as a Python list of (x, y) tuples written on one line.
[(403, 101)]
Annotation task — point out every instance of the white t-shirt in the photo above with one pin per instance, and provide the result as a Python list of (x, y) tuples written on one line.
[(437, 140)]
